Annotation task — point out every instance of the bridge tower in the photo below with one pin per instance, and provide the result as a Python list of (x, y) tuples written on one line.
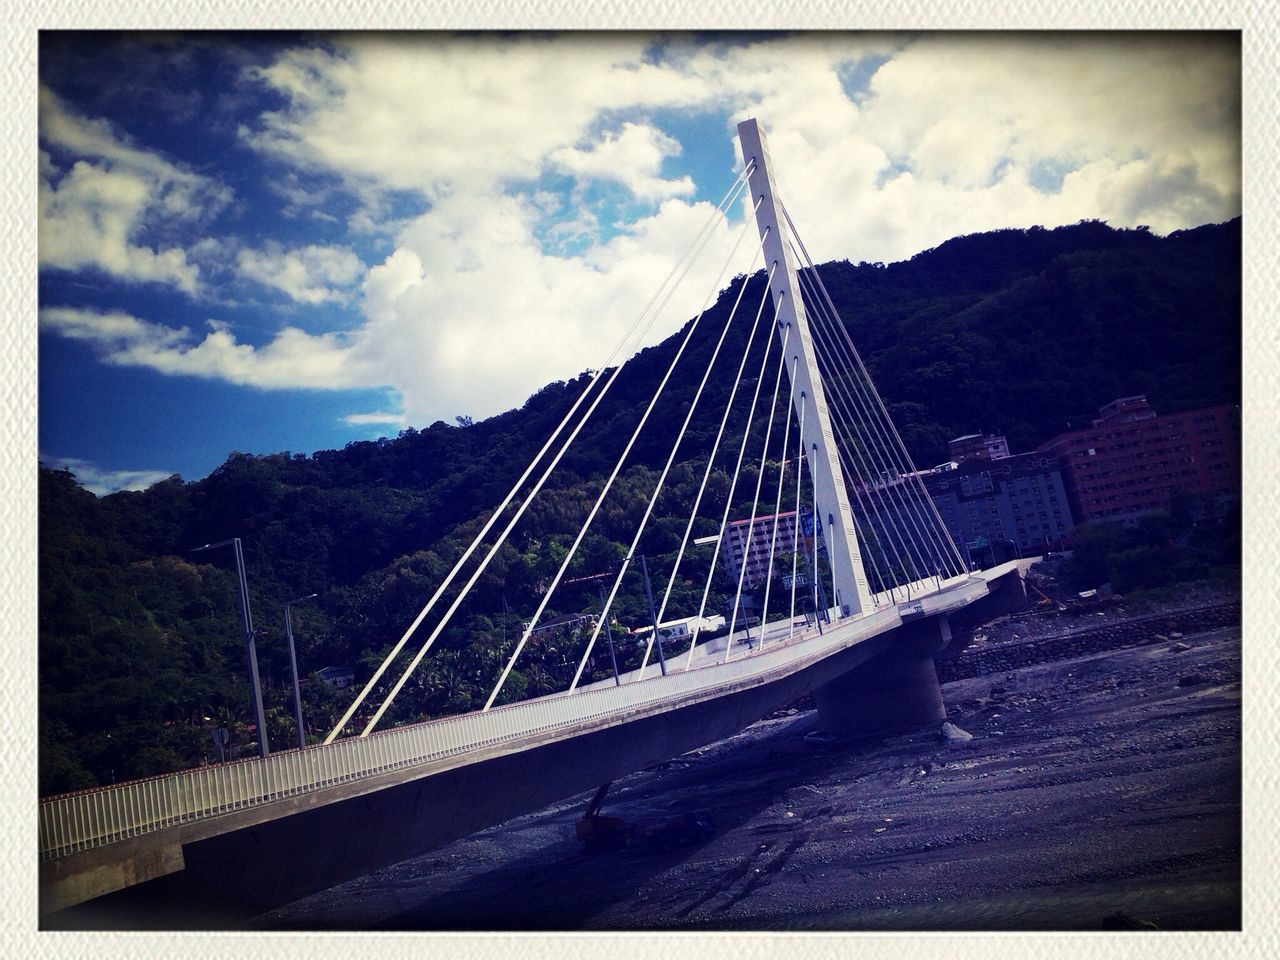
[(852, 593)]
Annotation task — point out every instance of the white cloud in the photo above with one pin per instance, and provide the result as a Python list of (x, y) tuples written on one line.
[(471, 312), (312, 274), (91, 215), (468, 316), (970, 117), (632, 157), (478, 304), (88, 220), (437, 113), (102, 482), (293, 358), (386, 418)]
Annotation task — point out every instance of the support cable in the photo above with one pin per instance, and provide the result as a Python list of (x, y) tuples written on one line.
[(843, 415), (648, 650), (644, 521), (873, 443), (879, 400), (925, 537), (666, 469), (878, 567), (698, 243), (795, 538), (706, 474), (542, 605), (847, 447), (898, 452), (850, 471), (737, 469), (777, 505), (874, 446), (813, 477), (694, 248), (690, 255), (912, 546), (751, 525)]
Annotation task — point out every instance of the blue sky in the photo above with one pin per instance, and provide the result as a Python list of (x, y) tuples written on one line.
[(292, 241)]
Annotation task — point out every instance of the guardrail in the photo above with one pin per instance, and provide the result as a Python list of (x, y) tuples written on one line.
[(80, 821)]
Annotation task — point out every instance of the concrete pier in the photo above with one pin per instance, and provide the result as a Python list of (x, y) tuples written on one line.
[(892, 692)]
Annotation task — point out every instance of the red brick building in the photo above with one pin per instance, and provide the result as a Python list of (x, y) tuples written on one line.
[(1132, 460)]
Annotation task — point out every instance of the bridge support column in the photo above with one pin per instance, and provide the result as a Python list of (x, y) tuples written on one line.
[(895, 691), (1007, 595)]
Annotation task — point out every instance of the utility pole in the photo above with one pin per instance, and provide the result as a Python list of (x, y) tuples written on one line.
[(293, 666), (600, 577), (608, 633), (250, 649), (653, 616)]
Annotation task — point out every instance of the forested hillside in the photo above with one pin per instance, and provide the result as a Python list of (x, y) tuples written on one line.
[(1023, 332)]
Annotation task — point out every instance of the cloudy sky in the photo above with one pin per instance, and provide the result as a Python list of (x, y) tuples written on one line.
[(288, 242)]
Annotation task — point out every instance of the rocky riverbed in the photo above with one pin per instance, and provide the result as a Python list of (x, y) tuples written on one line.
[(1098, 791)]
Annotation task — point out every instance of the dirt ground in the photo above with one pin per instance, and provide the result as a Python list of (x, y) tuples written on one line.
[(1096, 793)]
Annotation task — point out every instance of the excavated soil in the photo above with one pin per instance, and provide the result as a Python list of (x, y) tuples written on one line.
[(1096, 793)]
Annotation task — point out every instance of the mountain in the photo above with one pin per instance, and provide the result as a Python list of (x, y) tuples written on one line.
[(1023, 332)]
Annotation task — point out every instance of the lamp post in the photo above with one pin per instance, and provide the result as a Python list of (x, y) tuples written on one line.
[(293, 666), (693, 641), (608, 632), (653, 616), (251, 653)]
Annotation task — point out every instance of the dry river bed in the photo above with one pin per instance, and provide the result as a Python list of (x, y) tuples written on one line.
[(1097, 793)]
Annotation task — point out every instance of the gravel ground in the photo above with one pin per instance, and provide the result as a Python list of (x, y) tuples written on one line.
[(1044, 622), (1097, 793)]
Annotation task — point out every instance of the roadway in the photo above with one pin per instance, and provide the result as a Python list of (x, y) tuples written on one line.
[(379, 799)]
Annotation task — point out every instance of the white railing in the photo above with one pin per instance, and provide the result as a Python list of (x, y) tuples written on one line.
[(93, 818)]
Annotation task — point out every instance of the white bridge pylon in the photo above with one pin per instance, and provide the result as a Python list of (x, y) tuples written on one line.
[(832, 498)]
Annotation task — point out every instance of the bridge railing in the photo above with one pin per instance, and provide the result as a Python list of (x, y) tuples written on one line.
[(93, 818)]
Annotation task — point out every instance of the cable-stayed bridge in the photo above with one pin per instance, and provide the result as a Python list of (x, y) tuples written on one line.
[(837, 579)]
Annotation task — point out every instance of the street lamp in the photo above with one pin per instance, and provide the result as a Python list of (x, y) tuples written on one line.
[(251, 653), (293, 665), (653, 616), (608, 632)]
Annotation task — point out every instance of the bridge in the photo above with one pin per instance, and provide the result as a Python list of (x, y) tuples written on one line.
[(873, 578)]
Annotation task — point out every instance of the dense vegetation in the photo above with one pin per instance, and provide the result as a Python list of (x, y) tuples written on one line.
[(1189, 541), (1023, 332)]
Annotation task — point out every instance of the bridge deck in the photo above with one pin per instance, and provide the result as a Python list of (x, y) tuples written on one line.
[(82, 821), (407, 790), (89, 819)]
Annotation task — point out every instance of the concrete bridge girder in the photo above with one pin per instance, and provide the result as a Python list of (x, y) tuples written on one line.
[(249, 861), (1006, 594), (243, 872)]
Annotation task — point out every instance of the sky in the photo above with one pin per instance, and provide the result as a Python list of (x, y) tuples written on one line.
[(269, 242)]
